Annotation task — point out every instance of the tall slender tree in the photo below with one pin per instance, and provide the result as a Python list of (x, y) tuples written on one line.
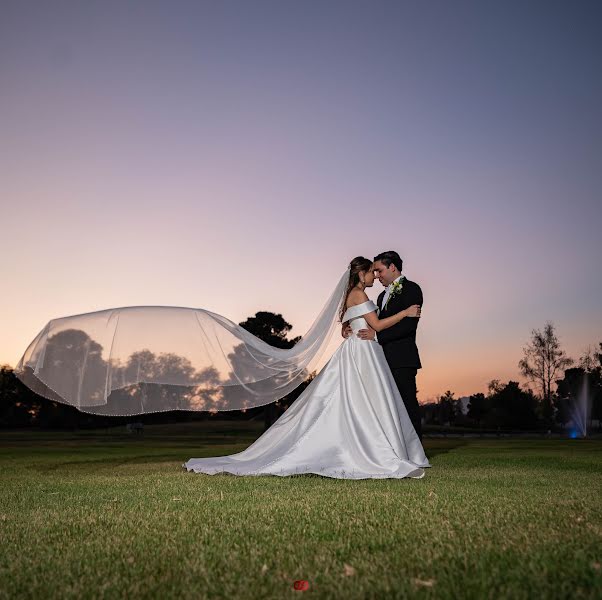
[(543, 362)]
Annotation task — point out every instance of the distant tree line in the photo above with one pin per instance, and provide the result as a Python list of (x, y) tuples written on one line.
[(546, 402)]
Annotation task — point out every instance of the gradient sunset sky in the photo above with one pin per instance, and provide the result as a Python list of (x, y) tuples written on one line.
[(235, 156)]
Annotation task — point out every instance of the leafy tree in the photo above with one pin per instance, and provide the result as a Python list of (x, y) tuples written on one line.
[(512, 408), (272, 329), (478, 407), (13, 410), (494, 386), (22, 407), (447, 408)]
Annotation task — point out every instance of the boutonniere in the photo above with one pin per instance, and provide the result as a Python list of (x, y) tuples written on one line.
[(396, 288)]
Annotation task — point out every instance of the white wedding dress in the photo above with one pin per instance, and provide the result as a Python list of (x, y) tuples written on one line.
[(349, 423)]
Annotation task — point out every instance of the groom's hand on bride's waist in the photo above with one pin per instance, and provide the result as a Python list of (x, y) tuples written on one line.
[(346, 331), (366, 334)]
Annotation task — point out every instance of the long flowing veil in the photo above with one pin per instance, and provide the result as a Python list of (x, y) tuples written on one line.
[(142, 359)]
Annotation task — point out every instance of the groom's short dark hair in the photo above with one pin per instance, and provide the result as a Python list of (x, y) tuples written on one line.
[(390, 257)]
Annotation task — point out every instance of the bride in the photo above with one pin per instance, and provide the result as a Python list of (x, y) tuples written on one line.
[(350, 422)]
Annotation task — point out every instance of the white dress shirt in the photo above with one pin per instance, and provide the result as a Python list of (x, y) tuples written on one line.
[(385, 298), (388, 291)]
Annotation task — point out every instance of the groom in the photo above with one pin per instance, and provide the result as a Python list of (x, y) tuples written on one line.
[(398, 342)]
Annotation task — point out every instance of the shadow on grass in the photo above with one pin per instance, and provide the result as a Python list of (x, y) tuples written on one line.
[(434, 447), (114, 462)]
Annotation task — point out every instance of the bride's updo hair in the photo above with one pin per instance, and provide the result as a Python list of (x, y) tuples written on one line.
[(358, 264)]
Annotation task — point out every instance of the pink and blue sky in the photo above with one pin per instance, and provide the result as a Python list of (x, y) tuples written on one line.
[(235, 156)]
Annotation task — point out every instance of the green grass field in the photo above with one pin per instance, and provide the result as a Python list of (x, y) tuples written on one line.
[(107, 514)]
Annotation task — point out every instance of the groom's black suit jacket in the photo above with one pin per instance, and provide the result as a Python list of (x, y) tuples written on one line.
[(399, 342)]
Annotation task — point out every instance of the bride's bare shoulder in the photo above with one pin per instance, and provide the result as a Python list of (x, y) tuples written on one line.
[(356, 297)]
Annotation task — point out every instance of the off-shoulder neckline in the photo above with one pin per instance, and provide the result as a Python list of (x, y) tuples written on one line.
[(360, 304), (347, 311)]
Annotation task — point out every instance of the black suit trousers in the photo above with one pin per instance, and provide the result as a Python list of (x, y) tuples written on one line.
[(405, 378)]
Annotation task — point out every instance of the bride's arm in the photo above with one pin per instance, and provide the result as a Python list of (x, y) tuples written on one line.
[(380, 324)]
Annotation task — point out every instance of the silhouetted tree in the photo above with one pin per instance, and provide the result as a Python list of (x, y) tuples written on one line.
[(494, 386), (15, 410), (22, 407), (272, 329), (511, 407), (591, 359), (447, 408), (478, 407), (542, 363)]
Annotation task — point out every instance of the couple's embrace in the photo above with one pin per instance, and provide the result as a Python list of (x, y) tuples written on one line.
[(359, 417)]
